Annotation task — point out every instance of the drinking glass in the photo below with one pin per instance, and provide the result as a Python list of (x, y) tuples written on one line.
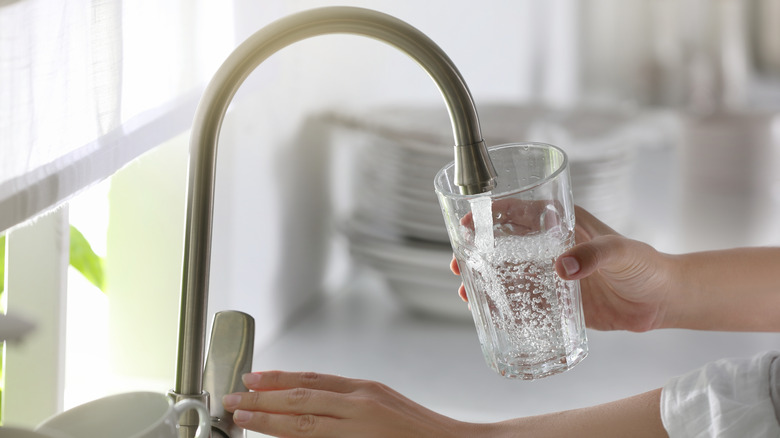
[(529, 321)]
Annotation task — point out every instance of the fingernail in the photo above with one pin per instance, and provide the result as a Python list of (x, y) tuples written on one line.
[(251, 379), (230, 401), (242, 417), (570, 265)]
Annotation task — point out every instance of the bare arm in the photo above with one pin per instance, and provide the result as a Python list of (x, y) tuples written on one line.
[(638, 417), (729, 290)]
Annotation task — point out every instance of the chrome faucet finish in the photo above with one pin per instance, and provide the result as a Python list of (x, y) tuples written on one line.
[(229, 358), (475, 171)]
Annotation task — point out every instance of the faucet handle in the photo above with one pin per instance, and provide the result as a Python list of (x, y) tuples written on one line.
[(229, 357)]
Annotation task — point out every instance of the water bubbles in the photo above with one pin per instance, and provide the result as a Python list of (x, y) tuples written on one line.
[(520, 294)]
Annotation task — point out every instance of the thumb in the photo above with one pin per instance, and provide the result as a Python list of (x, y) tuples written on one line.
[(584, 259)]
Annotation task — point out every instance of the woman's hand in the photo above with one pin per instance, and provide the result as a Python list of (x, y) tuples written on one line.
[(318, 405), (624, 282)]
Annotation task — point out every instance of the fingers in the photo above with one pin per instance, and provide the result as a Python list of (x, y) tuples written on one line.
[(456, 270), (462, 293), (294, 393), (524, 216), (575, 264), (288, 401), (275, 380), (454, 266), (308, 404), (521, 216), (306, 425)]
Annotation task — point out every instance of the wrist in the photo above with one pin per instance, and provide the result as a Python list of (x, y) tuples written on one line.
[(679, 292), (502, 429)]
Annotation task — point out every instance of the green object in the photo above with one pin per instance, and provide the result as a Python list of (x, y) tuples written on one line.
[(84, 259)]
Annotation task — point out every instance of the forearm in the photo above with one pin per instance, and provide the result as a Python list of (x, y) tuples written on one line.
[(638, 416), (728, 290)]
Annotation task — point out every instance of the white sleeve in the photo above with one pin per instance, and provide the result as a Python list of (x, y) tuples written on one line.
[(726, 398)]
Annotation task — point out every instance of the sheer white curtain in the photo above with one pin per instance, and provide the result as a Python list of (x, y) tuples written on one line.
[(60, 88), (88, 85)]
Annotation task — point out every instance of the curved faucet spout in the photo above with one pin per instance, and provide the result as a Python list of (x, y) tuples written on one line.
[(476, 173)]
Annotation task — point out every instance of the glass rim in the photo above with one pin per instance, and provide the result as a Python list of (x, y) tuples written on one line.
[(535, 144)]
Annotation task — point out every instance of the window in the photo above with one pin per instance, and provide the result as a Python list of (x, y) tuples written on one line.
[(86, 87)]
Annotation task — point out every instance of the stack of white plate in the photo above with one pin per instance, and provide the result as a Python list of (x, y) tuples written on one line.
[(416, 271), (395, 225), (394, 187)]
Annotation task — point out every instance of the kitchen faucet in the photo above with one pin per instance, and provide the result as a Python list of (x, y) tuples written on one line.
[(232, 337)]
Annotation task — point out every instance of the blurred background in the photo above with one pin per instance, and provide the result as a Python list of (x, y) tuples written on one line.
[(326, 226)]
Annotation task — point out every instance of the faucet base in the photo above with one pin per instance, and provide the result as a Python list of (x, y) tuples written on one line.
[(188, 423)]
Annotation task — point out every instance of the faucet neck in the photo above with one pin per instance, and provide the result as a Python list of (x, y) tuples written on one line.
[(477, 170)]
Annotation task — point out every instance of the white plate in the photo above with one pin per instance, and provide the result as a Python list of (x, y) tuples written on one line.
[(431, 301)]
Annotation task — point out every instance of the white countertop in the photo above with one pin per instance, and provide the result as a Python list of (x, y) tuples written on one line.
[(362, 332)]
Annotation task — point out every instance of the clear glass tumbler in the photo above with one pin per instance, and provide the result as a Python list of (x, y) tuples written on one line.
[(529, 320)]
